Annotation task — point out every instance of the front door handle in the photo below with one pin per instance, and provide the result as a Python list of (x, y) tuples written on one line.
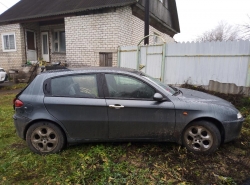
[(116, 106)]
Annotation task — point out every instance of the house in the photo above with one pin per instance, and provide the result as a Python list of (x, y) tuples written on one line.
[(79, 32)]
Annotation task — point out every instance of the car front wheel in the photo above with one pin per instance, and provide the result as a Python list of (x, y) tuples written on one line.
[(45, 138), (201, 137)]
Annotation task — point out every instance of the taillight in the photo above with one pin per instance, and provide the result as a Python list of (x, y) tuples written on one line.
[(18, 103)]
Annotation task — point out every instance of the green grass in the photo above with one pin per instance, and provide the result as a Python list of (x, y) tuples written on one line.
[(14, 86), (121, 163)]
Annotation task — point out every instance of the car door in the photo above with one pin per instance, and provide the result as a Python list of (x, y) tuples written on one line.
[(78, 104), (133, 114)]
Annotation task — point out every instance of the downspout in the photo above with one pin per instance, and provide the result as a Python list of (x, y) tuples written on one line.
[(118, 57), (146, 23)]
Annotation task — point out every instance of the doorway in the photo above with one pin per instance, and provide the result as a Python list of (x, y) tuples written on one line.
[(45, 46), (31, 45)]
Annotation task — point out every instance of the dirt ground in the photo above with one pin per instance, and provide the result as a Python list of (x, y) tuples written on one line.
[(8, 84)]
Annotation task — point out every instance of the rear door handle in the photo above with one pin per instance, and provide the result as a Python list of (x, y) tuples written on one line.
[(116, 106)]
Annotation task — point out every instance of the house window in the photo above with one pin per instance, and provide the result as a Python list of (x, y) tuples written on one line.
[(59, 41), (9, 42)]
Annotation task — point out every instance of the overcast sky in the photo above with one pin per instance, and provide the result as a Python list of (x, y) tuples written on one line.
[(196, 16)]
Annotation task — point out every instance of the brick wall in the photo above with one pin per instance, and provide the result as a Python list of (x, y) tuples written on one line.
[(88, 35), (14, 59)]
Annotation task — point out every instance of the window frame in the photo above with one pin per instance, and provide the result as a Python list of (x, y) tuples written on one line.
[(8, 34), (106, 90), (47, 85), (54, 41)]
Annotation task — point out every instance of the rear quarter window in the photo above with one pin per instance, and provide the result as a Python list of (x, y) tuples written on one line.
[(75, 86)]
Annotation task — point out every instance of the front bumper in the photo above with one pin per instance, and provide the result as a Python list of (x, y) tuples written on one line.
[(232, 129)]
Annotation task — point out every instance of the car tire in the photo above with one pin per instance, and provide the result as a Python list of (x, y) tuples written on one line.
[(45, 138), (201, 137), (6, 77)]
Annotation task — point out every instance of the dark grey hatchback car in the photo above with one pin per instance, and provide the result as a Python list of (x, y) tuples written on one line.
[(117, 104)]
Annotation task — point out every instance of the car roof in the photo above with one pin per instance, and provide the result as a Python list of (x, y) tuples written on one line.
[(90, 69)]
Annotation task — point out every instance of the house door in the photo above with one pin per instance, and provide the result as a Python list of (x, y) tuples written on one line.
[(106, 59), (31, 45), (45, 46)]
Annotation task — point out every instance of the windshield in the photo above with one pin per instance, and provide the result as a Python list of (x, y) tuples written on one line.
[(164, 86)]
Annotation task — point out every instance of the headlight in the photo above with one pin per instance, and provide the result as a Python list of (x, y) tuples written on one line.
[(239, 116)]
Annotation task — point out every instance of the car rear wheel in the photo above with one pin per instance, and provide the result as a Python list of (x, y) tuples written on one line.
[(45, 138), (201, 137)]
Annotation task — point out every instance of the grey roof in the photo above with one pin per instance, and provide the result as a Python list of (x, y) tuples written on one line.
[(42, 10), (29, 9)]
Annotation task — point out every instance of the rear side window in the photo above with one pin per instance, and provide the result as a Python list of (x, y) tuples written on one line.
[(84, 86), (1, 70)]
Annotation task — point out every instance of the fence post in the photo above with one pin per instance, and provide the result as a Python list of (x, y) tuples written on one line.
[(118, 57), (138, 57), (163, 62), (248, 73)]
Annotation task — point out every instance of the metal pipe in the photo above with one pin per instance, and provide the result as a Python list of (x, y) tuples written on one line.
[(118, 57), (146, 21)]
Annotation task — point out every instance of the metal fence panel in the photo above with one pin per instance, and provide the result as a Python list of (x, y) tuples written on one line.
[(227, 63), (198, 63), (128, 57), (151, 58)]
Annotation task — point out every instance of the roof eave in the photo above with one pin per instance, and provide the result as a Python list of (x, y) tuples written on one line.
[(65, 13)]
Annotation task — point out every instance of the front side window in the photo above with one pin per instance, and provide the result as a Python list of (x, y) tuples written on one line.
[(59, 41), (162, 85), (126, 87), (9, 42), (82, 86)]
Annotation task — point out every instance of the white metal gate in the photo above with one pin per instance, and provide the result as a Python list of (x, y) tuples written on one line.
[(148, 59)]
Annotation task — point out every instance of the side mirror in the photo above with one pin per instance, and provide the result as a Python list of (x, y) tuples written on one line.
[(158, 97)]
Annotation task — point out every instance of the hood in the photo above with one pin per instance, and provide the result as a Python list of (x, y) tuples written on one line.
[(189, 95)]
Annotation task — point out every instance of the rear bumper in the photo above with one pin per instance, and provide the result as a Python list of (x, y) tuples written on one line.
[(21, 124), (232, 129)]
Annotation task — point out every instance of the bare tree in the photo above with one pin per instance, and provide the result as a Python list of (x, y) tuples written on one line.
[(222, 32), (245, 30)]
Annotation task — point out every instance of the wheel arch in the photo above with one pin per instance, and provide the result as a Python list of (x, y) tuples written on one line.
[(41, 120), (214, 121)]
